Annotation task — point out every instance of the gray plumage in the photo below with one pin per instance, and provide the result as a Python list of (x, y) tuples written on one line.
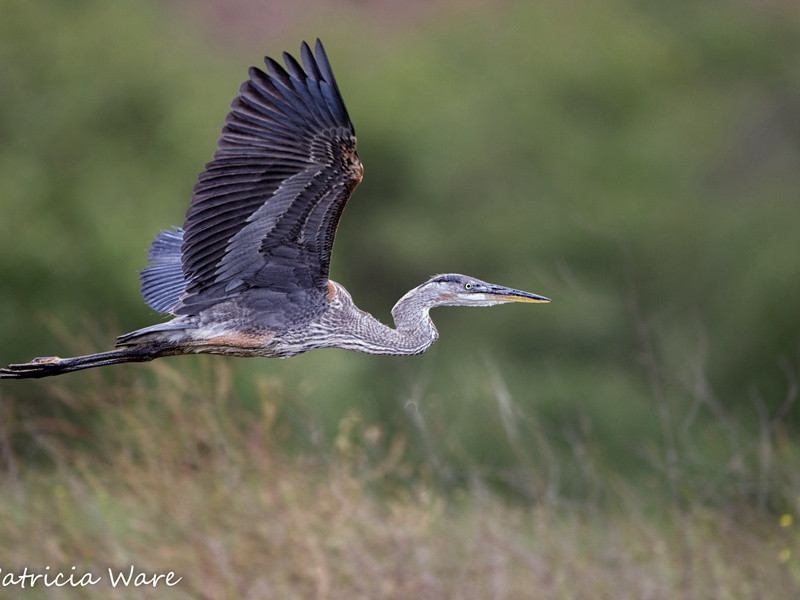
[(247, 275)]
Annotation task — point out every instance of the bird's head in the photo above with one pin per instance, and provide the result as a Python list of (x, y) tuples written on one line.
[(453, 289)]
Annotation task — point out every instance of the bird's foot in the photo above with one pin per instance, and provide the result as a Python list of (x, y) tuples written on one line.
[(45, 360), (38, 367)]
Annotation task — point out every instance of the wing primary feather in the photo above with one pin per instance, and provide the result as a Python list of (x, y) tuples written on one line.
[(281, 81), (311, 66), (293, 67), (327, 75), (309, 63), (321, 113), (300, 84), (276, 71), (283, 108)]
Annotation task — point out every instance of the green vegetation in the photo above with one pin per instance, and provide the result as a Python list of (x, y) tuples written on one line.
[(636, 162), (176, 477)]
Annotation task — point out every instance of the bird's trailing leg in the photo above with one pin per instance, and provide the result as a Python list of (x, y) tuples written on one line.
[(53, 365)]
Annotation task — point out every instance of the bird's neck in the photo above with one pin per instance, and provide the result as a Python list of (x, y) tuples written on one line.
[(413, 333), (413, 324)]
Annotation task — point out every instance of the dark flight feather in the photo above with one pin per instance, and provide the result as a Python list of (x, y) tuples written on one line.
[(265, 211)]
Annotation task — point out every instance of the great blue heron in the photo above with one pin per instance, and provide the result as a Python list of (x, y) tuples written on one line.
[(247, 275)]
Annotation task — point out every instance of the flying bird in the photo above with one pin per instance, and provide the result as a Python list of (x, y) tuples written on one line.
[(247, 274)]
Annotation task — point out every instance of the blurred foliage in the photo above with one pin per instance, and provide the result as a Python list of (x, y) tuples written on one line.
[(178, 477), (638, 162)]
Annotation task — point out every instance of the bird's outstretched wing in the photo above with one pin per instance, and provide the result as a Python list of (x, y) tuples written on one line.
[(265, 210)]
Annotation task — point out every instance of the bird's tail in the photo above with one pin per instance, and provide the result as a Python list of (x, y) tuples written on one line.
[(53, 365), (163, 281)]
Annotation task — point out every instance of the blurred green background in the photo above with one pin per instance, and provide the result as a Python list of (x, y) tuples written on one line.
[(636, 161)]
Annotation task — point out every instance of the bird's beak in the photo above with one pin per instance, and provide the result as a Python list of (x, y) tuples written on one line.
[(505, 294)]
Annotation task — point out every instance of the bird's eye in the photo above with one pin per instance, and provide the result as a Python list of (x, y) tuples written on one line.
[(468, 286)]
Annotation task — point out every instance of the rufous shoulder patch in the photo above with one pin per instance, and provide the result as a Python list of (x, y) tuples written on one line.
[(331, 291)]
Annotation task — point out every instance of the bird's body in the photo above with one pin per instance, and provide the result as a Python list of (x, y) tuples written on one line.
[(235, 328), (247, 275)]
